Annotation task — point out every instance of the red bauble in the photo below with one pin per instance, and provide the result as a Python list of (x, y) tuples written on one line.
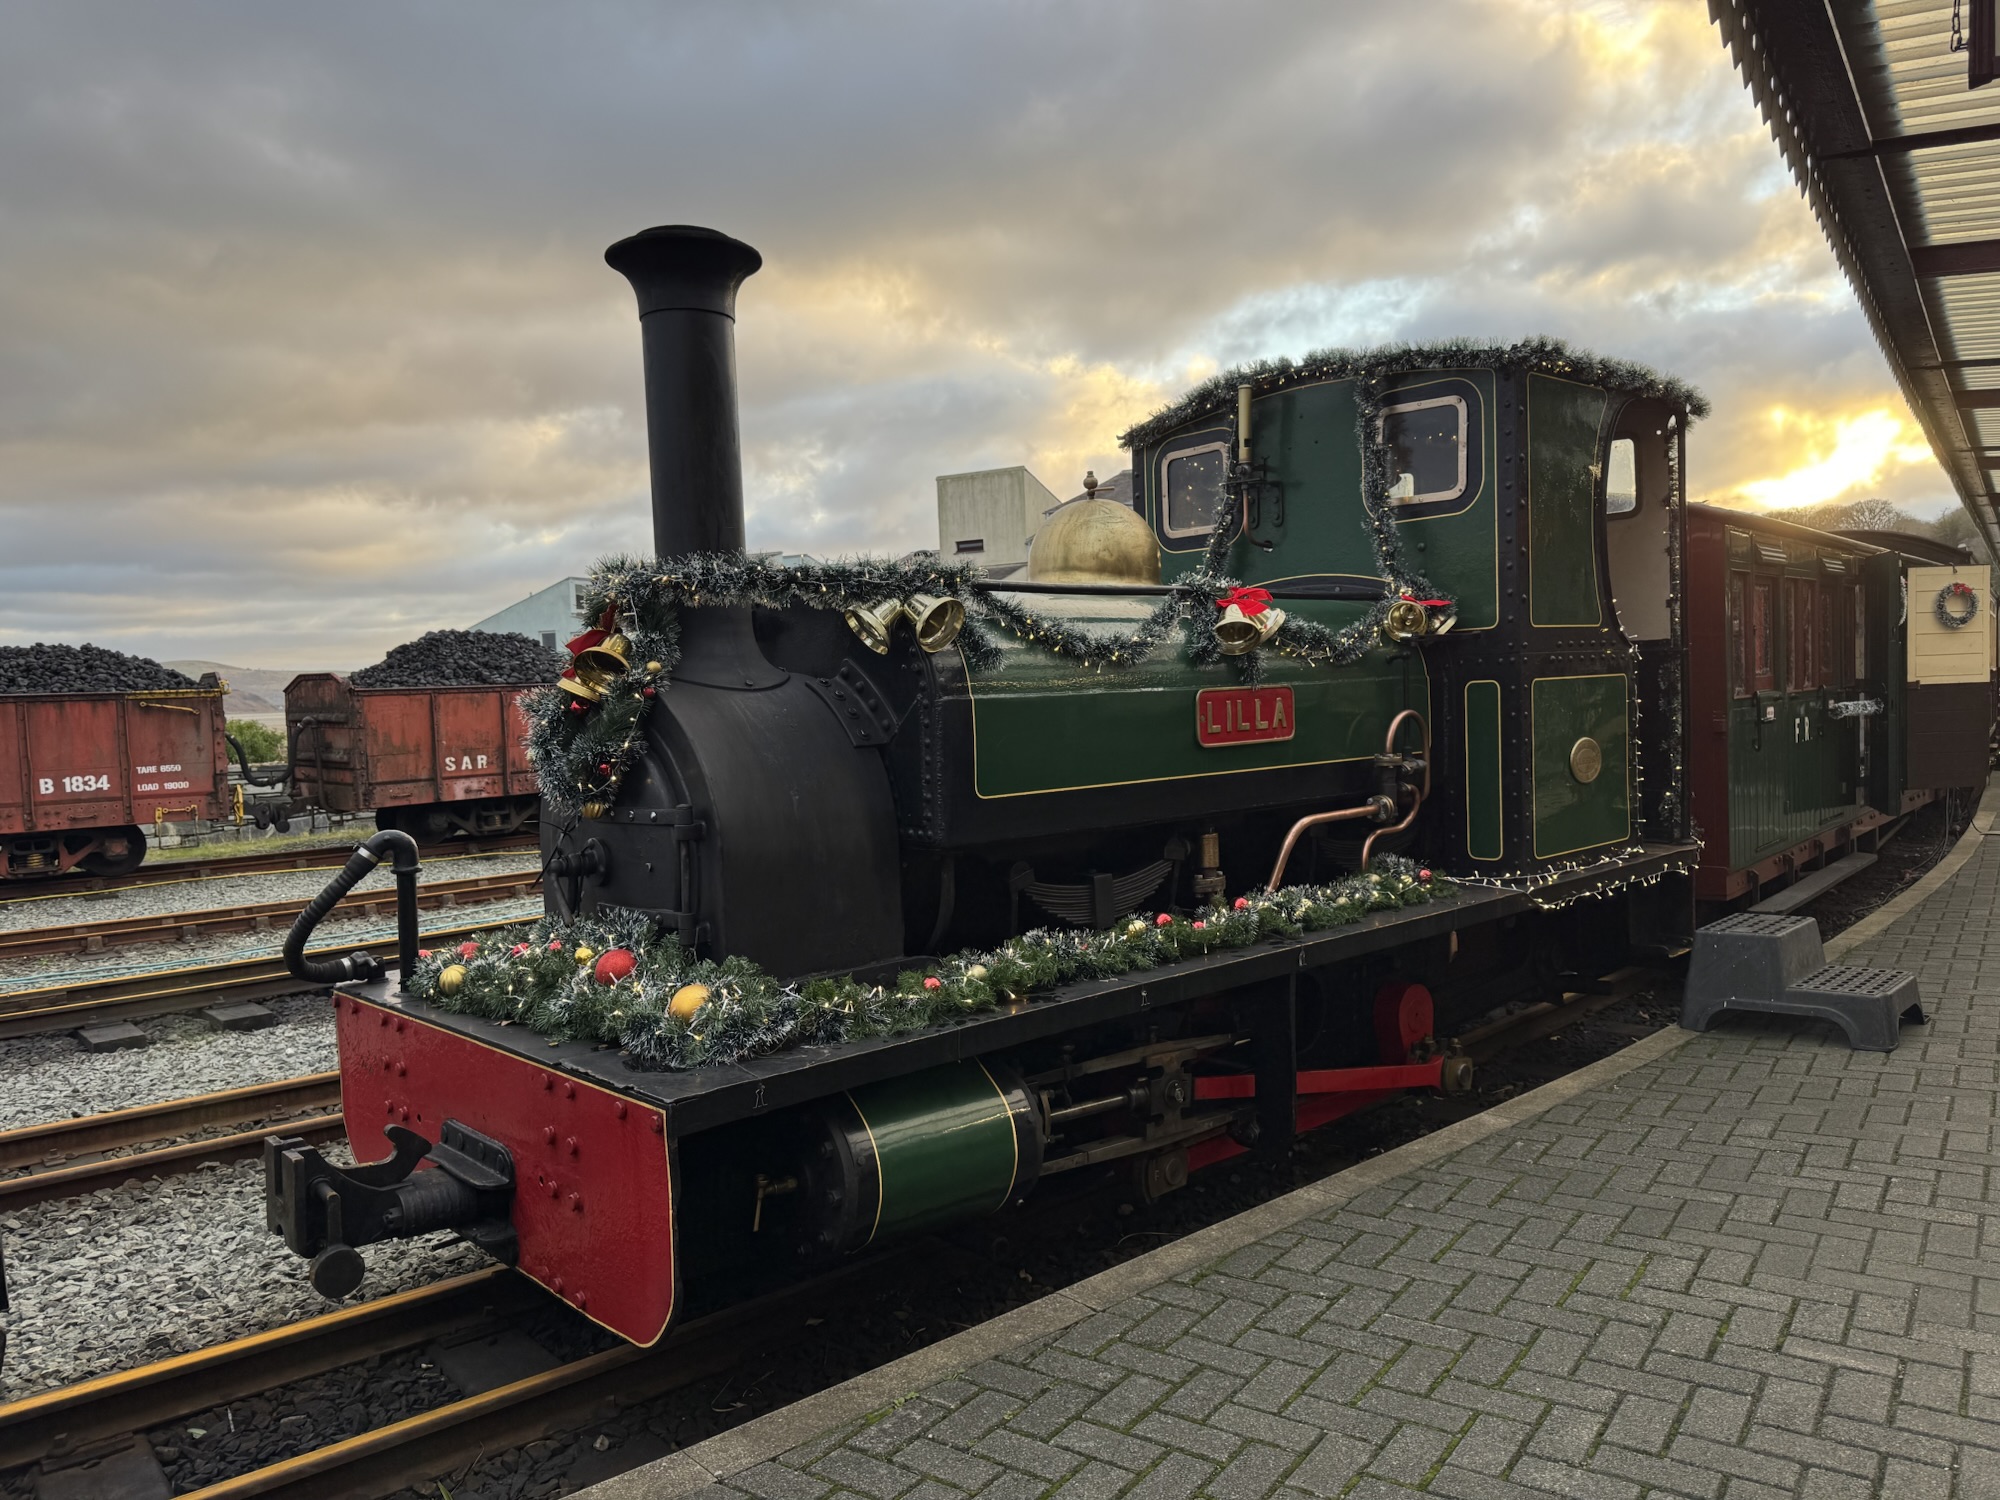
[(1423, 874), (933, 983), (1163, 920), (555, 945), (467, 949), (578, 706), (1199, 924), (519, 950), (613, 964), (1242, 903), (647, 692), (423, 953)]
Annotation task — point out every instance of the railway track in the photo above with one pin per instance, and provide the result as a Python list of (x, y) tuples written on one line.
[(103, 1414), (262, 916), (55, 1146), (97, 1415), (64, 1007), (330, 856)]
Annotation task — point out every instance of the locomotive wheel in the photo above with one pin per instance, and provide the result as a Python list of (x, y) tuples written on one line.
[(103, 862)]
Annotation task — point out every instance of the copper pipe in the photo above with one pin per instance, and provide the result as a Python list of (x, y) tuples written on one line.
[(1366, 810), (1369, 809), (1368, 844)]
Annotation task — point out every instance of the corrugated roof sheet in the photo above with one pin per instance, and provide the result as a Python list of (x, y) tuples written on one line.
[(1850, 91)]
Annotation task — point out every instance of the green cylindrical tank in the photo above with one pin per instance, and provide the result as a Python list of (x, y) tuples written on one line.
[(914, 1153)]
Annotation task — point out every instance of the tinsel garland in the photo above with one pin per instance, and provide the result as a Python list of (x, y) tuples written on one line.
[(543, 976), (1542, 356)]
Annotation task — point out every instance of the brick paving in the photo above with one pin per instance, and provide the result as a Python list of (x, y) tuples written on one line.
[(1761, 1266)]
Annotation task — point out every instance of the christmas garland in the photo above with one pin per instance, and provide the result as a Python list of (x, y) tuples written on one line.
[(615, 980), (1541, 356), (1946, 596)]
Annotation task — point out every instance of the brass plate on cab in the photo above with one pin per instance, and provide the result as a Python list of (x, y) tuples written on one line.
[(1586, 760)]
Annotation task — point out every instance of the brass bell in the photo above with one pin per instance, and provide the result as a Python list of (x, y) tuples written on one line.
[(588, 692), (604, 663), (1235, 632), (1406, 620), (873, 622), (937, 618)]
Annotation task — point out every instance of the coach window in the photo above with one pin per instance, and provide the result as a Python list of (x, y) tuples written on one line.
[(1426, 441), (1763, 623), (1191, 480), (1800, 618), (1739, 636)]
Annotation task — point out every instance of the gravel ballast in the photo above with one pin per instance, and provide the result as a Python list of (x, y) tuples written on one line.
[(462, 658), (82, 669), (236, 890), (44, 1078), (37, 973), (135, 1273)]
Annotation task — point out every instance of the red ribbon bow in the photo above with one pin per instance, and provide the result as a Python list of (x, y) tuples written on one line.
[(1429, 603), (1253, 602)]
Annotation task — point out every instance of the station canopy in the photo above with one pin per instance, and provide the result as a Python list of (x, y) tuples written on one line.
[(1889, 117)]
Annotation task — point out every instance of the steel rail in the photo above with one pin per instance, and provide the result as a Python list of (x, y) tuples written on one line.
[(433, 1443), (52, 1423), (258, 916), (165, 991), (329, 856), (153, 1122), (276, 1104), (1546, 1017)]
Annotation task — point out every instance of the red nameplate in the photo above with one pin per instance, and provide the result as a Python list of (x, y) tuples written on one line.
[(1243, 716)]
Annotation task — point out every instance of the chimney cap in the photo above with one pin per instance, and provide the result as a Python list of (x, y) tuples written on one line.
[(684, 267)]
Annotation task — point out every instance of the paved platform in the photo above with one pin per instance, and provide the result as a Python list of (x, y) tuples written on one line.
[(1747, 1264)]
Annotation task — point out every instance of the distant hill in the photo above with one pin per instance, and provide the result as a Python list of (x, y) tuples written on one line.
[(254, 692)]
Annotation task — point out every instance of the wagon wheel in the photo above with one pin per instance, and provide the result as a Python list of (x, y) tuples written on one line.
[(103, 862)]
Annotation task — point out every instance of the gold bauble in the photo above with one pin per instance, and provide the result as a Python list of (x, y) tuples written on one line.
[(1094, 541), (688, 999), (977, 971), (450, 978), (585, 955), (654, 668)]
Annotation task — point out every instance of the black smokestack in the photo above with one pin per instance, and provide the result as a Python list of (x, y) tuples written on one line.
[(686, 279)]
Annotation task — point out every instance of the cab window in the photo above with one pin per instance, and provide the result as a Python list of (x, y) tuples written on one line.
[(1426, 442), (1621, 478), (1191, 481)]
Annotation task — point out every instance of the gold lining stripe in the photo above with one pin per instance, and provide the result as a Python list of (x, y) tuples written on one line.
[(1499, 769), (1535, 795), (881, 1177), (1528, 513)]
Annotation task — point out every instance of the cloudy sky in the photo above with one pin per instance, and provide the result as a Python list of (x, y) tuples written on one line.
[(306, 343)]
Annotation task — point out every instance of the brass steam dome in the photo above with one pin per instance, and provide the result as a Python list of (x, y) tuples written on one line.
[(1094, 541)]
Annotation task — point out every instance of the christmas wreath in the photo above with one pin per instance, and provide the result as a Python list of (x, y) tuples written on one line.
[(1956, 605), (614, 979)]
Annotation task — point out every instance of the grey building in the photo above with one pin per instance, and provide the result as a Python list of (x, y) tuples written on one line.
[(548, 615)]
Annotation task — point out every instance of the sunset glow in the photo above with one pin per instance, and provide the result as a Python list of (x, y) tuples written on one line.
[(1838, 457)]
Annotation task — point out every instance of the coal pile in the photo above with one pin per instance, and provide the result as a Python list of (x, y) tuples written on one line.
[(83, 669), (462, 658)]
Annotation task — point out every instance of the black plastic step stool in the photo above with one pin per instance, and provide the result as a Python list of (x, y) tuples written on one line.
[(1775, 965)]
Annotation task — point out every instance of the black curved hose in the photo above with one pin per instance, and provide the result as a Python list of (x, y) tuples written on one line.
[(243, 761), (361, 966)]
